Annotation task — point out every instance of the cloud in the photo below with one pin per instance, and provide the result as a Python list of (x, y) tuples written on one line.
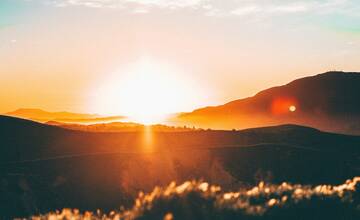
[(272, 9), (140, 11), (263, 8), (246, 10), (269, 9), (222, 7), (86, 3), (167, 3), (122, 3), (289, 8)]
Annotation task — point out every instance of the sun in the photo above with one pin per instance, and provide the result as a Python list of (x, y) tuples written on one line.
[(292, 108), (147, 92)]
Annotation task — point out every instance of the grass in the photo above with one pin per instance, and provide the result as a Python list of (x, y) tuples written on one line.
[(200, 200)]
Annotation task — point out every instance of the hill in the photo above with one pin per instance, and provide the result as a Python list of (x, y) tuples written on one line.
[(328, 101), (119, 127), (46, 167), (65, 117), (23, 139)]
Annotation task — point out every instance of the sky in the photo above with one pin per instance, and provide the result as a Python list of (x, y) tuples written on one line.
[(102, 56)]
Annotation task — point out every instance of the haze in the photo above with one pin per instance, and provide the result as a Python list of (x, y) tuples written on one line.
[(59, 55)]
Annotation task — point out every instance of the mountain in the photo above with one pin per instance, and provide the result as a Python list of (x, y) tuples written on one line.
[(44, 167), (65, 117), (328, 101), (26, 140), (118, 127)]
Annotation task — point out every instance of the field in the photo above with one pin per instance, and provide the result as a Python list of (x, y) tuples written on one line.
[(200, 200), (46, 168)]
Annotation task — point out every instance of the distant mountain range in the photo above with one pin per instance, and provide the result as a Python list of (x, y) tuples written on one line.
[(65, 117), (119, 127), (328, 101)]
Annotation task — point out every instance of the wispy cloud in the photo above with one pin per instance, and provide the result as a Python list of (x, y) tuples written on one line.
[(122, 3), (167, 3), (140, 11), (221, 7), (246, 10), (293, 8), (272, 8), (86, 3)]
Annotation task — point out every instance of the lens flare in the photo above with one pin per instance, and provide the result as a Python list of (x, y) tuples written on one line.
[(292, 108)]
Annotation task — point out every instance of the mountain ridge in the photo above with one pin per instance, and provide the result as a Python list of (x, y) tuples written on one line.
[(40, 115), (329, 101), (320, 75)]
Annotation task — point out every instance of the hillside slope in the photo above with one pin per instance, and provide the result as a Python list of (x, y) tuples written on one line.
[(328, 101), (66, 117), (47, 168), (24, 140)]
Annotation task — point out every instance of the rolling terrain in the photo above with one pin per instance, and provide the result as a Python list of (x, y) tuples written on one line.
[(40, 115), (328, 101), (45, 167)]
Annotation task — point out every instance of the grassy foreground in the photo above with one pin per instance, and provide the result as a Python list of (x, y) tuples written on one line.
[(199, 200)]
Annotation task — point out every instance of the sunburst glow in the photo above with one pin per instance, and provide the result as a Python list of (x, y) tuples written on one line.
[(147, 92)]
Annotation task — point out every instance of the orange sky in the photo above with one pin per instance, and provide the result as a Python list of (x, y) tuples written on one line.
[(61, 57)]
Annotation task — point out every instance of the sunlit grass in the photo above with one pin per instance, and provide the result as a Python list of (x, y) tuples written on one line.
[(200, 200)]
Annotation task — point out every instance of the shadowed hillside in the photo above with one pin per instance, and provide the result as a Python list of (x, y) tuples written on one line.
[(23, 139), (329, 101), (45, 167)]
